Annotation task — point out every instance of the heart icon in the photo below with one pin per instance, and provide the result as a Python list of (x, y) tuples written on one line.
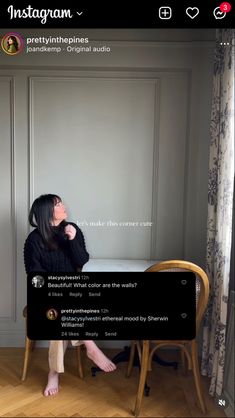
[(192, 12)]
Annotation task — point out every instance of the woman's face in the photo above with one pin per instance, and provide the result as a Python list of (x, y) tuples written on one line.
[(59, 213), (10, 40)]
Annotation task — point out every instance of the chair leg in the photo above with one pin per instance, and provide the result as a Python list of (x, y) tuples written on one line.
[(79, 360), (131, 359), (28, 345), (32, 345), (142, 380), (183, 358), (197, 377)]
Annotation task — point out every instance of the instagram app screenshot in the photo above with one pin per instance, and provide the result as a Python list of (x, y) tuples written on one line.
[(117, 228)]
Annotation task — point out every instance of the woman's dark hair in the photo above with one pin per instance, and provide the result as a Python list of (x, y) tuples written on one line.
[(15, 43), (41, 216)]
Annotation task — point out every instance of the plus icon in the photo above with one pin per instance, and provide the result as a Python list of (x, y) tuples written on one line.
[(165, 12)]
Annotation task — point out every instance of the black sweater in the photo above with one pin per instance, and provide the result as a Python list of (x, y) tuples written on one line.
[(70, 255)]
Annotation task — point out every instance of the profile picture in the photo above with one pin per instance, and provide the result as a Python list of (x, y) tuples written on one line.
[(38, 281), (12, 43), (52, 314)]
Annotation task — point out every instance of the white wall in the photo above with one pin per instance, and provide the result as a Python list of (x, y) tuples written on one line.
[(122, 136)]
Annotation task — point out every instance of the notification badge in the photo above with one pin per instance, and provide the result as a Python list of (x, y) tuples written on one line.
[(12, 43), (225, 7)]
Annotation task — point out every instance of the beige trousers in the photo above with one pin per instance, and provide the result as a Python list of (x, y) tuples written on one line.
[(56, 353)]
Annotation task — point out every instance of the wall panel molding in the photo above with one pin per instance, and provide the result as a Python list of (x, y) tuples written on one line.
[(12, 273), (157, 78), (157, 104), (129, 79)]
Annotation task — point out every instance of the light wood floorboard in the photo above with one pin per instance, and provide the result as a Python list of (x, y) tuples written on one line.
[(106, 395)]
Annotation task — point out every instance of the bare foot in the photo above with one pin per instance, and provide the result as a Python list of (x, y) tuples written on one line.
[(103, 362), (52, 386)]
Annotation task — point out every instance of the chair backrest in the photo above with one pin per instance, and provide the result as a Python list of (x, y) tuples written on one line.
[(202, 282)]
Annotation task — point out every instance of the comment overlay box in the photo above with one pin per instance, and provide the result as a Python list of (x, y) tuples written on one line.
[(111, 306)]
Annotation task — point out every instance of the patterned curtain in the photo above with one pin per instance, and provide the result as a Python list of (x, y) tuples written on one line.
[(220, 206)]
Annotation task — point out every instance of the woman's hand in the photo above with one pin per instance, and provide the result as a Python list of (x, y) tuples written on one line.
[(70, 231)]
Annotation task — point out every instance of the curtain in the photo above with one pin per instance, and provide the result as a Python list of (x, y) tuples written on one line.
[(220, 206)]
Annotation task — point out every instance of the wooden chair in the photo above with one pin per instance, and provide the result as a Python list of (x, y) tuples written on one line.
[(29, 346), (189, 349)]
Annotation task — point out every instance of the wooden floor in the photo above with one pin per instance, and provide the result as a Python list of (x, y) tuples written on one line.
[(106, 395)]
